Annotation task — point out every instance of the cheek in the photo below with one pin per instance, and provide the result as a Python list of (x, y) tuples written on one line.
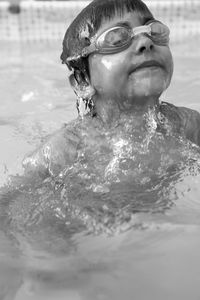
[(169, 65), (106, 69), (108, 64), (95, 71)]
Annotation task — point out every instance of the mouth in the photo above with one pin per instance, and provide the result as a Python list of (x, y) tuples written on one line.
[(147, 64)]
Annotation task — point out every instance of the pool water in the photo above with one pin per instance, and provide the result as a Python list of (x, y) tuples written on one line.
[(152, 252)]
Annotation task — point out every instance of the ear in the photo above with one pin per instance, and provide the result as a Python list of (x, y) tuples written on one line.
[(80, 83)]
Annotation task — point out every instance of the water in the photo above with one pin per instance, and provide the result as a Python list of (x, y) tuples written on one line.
[(136, 240)]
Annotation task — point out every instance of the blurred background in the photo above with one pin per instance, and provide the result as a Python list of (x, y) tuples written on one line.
[(45, 20)]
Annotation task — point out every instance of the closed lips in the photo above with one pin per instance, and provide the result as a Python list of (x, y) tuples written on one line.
[(147, 64)]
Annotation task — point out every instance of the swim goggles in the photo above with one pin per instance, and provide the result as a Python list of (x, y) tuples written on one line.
[(119, 38)]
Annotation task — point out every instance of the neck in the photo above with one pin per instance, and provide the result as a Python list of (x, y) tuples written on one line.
[(112, 112)]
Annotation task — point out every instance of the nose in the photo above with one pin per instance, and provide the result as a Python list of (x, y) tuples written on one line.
[(143, 44)]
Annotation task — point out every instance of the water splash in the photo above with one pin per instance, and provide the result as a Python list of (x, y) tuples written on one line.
[(115, 177)]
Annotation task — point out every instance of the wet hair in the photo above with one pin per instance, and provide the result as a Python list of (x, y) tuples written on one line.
[(86, 24)]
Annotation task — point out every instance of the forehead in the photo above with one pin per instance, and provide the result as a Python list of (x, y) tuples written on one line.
[(133, 19)]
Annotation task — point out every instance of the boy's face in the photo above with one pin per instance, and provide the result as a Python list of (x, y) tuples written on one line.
[(140, 72)]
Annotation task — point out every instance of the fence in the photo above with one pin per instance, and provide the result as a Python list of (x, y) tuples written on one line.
[(48, 20)]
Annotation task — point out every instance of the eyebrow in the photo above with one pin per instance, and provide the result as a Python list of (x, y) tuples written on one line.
[(128, 24), (125, 24)]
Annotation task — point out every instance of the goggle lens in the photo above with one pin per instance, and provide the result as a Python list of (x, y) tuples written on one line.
[(115, 37), (160, 33)]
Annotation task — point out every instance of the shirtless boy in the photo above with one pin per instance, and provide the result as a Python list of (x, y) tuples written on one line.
[(120, 64)]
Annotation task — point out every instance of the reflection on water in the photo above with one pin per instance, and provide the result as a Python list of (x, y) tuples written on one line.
[(72, 232), (119, 224)]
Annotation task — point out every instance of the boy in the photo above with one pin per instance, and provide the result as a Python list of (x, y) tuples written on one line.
[(127, 152), (120, 64)]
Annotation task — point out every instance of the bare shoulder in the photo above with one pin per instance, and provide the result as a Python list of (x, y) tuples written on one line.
[(187, 120), (191, 124), (58, 151)]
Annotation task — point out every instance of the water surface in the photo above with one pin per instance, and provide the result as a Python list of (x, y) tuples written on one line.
[(145, 244)]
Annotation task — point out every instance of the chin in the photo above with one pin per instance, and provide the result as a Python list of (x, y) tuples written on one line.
[(155, 92), (145, 93), (149, 83), (149, 88)]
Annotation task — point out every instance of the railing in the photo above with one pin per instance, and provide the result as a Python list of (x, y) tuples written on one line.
[(48, 20)]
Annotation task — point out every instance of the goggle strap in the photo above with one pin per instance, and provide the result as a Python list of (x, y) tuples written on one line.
[(89, 49)]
